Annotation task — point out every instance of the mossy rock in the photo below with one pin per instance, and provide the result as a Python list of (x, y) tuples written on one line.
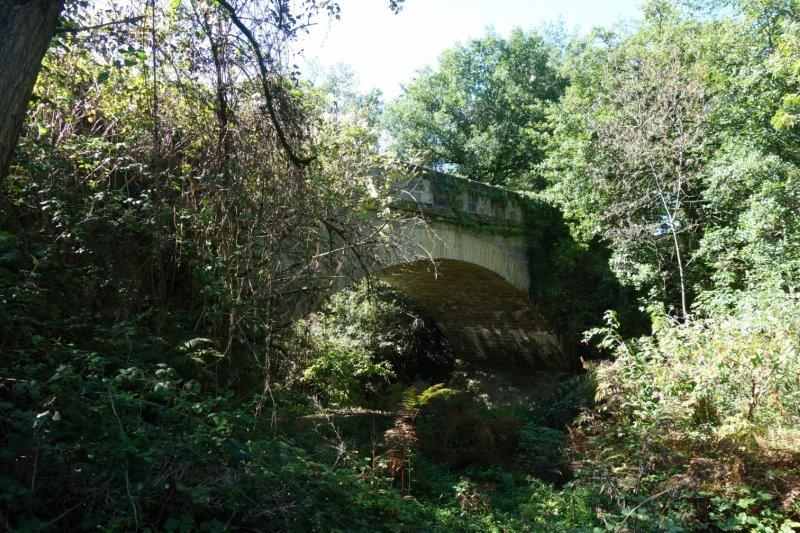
[(455, 429)]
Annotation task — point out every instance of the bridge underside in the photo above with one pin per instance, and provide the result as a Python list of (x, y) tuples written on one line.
[(485, 318)]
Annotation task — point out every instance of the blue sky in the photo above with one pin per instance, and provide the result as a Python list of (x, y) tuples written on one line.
[(385, 50)]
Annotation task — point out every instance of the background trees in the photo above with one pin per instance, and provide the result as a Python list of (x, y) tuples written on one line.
[(481, 111), (642, 149), (751, 239), (631, 139), (29, 25)]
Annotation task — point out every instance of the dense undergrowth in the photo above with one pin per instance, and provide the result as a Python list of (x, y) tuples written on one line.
[(694, 428), (108, 425)]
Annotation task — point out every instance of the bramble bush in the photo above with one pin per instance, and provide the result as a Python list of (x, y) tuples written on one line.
[(697, 425), (734, 375)]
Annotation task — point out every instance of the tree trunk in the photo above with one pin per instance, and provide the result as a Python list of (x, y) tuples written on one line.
[(26, 27), (673, 231)]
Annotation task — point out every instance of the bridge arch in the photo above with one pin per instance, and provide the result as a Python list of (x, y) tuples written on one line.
[(484, 316), (504, 253), (462, 251)]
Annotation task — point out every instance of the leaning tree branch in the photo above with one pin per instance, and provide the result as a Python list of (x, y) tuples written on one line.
[(129, 20), (297, 160)]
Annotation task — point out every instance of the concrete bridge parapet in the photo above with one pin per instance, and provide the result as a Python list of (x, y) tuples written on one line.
[(442, 195)]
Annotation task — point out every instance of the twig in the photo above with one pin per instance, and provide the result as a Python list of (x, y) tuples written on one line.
[(297, 160), (35, 470), (127, 478), (647, 500), (129, 20), (59, 517)]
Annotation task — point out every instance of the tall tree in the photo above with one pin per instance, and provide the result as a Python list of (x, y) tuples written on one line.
[(481, 111), (631, 142), (752, 194), (26, 27)]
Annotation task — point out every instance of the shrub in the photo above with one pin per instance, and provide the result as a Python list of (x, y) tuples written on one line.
[(572, 396), (541, 450), (695, 424), (367, 337), (732, 375), (343, 374), (571, 509), (456, 429)]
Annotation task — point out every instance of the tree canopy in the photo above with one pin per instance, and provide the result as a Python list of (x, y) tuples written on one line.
[(481, 111), (655, 132)]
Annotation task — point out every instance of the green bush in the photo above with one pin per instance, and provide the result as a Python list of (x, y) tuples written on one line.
[(343, 374), (455, 428), (749, 510), (571, 509), (541, 450), (732, 375), (696, 425), (574, 394), (366, 338)]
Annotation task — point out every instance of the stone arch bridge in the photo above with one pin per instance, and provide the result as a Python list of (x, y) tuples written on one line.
[(468, 267)]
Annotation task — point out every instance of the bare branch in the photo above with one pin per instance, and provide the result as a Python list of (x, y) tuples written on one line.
[(265, 84), (129, 20)]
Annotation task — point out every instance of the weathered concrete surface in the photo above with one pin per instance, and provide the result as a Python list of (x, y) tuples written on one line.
[(485, 318), (466, 221), (506, 255)]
